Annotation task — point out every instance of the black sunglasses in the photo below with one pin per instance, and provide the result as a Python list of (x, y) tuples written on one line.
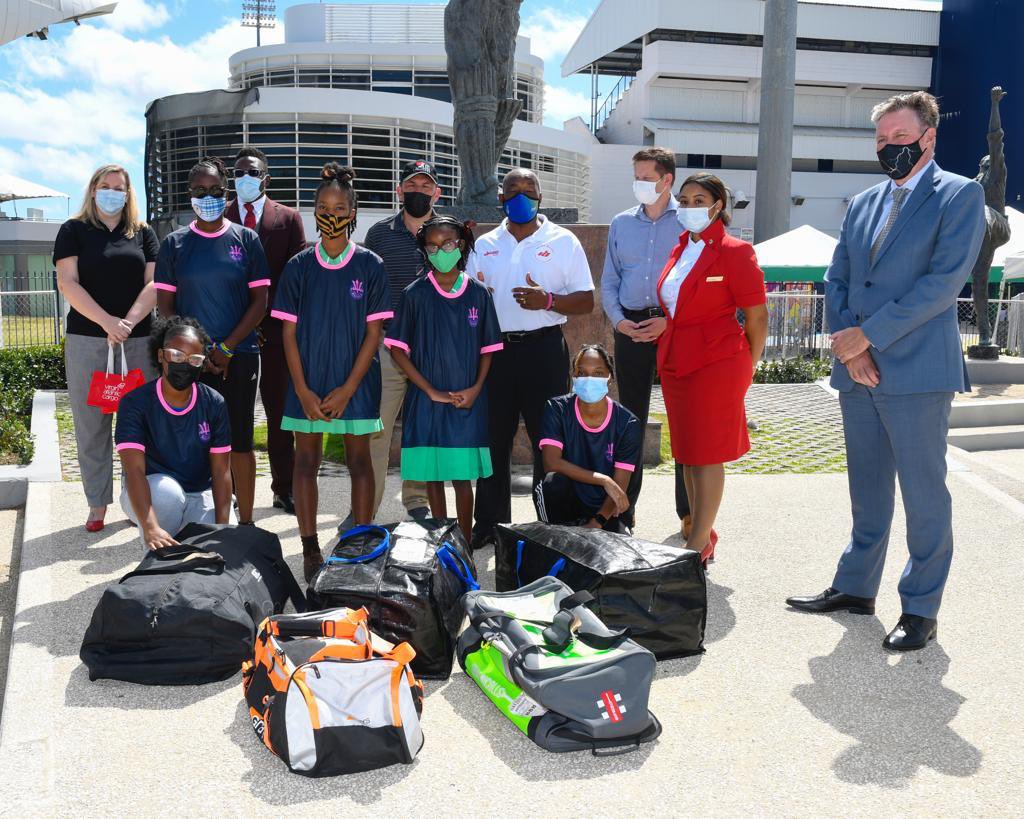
[(239, 173)]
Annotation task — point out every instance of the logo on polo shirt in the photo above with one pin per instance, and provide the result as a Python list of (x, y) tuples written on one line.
[(491, 252), (473, 317), (544, 253), (609, 454), (236, 253), (204, 432), (356, 290)]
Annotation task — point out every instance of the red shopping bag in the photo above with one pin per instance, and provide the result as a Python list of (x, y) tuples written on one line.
[(108, 388)]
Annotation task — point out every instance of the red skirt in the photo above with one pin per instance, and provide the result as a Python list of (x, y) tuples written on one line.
[(707, 420)]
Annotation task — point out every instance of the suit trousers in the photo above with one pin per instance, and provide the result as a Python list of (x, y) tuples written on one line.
[(393, 385), (273, 386), (523, 376), (905, 436), (84, 355), (635, 368)]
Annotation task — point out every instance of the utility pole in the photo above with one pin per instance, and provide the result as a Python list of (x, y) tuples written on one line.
[(775, 131), (259, 14)]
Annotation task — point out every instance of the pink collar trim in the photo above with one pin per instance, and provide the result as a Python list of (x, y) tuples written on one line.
[(168, 407), (224, 229), (450, 294), (607, 417), (346, 256)]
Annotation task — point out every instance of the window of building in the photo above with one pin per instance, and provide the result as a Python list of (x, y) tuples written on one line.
[(826, 166), (353, 79), (388, 76), (6, 271)]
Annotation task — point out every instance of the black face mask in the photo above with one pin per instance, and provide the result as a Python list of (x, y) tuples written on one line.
[(899, 160), (417, 204), (182, 376)]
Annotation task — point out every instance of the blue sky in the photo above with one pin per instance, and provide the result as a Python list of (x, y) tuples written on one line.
[(76, 100)]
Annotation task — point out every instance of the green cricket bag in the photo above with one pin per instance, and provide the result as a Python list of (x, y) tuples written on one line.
[(552, 667)]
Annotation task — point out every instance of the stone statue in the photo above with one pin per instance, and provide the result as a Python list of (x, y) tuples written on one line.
[(480, 38), (992, 176)]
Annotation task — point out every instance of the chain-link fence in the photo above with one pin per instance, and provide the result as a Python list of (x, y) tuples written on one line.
[(30, 317), (1005, 321), (796, 326)]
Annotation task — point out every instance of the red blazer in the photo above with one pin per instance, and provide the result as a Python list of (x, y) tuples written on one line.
[(281, 234), (704, 328)]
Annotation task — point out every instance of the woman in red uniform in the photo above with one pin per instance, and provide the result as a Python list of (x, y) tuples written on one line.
[(705, 358)]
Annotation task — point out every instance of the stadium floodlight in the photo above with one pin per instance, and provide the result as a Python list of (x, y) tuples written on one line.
[(259, 14)]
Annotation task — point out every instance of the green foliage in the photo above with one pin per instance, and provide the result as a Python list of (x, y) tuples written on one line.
[(16, 445), (792, 371), (22, 372), (334, 445)]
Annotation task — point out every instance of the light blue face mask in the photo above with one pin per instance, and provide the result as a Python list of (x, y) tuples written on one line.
[(590, 388), (209, 208), (110, 201), (248, 189)]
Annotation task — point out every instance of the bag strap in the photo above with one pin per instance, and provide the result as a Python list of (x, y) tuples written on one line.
[(292, 587), (403, 654), (556, 567), (185, 562), (359, 530), (452, 561), (341, 628)]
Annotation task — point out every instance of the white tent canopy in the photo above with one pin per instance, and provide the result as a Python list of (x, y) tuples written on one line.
[(1016, 244), (804, 246), (13, 187), (1013, 267)]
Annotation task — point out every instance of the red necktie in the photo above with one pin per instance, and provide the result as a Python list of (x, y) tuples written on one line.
[(250, 216)]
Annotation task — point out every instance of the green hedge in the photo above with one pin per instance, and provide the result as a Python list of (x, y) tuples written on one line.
[(22, 371), (792, 371)]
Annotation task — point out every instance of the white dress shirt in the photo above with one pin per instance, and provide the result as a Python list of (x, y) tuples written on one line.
[(552, 256), (674, 280), (908, 186)]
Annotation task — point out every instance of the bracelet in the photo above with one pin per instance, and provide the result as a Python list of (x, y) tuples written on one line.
[(225, 349), (551, 301)]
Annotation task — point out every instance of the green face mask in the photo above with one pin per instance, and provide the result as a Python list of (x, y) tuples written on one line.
[(444, 261)]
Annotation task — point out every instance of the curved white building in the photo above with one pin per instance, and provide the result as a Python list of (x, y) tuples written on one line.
[(365, 85)]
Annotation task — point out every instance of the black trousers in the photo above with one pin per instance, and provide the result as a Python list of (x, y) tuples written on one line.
[(239, 391), (558, 502), (523, 376), (635, 368)]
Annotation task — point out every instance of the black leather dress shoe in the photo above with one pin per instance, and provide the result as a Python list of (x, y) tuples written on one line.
[(911, 633), (833, 600), (285, 502)]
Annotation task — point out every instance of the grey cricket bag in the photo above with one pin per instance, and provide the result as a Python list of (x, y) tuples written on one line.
[(658, 592), (552, 667)]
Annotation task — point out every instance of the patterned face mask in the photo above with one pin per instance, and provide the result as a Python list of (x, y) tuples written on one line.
[(209, 208), (331, 226)]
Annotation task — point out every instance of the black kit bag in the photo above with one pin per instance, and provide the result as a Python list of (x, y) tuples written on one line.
[(189, 614), (409, 576), (658, 592)]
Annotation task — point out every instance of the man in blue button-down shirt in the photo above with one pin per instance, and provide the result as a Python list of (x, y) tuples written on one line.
[(640, 241)]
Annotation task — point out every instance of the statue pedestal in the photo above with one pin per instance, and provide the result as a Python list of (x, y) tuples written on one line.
[(983, 352)]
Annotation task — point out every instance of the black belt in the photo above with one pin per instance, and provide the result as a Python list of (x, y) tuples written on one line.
[(530, 335), (642, 315)]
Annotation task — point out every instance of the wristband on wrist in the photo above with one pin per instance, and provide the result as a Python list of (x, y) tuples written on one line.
[(225, 349), (551, 301)]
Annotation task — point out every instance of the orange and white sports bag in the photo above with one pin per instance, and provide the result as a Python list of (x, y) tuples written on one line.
[(328, 697)]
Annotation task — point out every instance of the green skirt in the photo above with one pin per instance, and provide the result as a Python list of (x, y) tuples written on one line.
[(336, 426), (434, 463)]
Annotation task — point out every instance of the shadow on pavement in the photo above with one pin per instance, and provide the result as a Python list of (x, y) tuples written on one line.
[(899, 714), (270, 780), (83, 693), (519, 753)]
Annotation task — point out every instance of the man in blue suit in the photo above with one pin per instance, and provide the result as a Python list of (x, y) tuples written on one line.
[(906, 248)]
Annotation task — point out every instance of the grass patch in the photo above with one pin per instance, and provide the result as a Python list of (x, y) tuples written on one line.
[(334, 445), (25, 331)]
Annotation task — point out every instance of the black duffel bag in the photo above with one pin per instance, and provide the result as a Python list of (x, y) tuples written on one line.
[(658, 592), (409, 576), (189, 613)]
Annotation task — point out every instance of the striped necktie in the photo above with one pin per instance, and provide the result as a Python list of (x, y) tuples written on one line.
[(898, 196)]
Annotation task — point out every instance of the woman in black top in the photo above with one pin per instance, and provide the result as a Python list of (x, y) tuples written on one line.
[(105, 257)]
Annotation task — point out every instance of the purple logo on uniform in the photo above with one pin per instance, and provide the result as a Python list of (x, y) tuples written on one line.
[(610, 453), (474, 317), (236, 253), (356, 290), (204, 431)]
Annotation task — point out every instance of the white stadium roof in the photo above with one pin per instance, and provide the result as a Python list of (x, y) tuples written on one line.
[(19, 18)]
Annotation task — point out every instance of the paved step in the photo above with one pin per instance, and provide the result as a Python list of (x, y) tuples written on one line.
[(977, 439), (1007, 370), (991, 412)]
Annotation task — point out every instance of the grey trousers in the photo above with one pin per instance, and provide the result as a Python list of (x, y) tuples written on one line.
[(84, 355), (174, 506)]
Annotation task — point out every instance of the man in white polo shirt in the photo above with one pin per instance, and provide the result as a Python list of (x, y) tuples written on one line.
[(538, 274)]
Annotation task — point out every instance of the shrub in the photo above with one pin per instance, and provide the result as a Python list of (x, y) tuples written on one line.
[(791, 371), (16, 445), (22, 371)]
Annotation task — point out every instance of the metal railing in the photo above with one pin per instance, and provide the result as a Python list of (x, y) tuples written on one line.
[(601, 114), (30, 317)]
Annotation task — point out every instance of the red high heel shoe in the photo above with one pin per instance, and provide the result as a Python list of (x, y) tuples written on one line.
[(707, 554), (93, 525)]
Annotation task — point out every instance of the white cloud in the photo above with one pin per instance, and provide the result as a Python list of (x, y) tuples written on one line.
[(136, 15), (552, 32), (561, 104)]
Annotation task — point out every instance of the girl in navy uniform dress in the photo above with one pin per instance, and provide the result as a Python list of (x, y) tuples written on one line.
[(332, 300), (591, 445), (174, 440), (443, 336)]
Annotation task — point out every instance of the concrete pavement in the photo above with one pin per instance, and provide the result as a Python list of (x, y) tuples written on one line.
[(786, 713)]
